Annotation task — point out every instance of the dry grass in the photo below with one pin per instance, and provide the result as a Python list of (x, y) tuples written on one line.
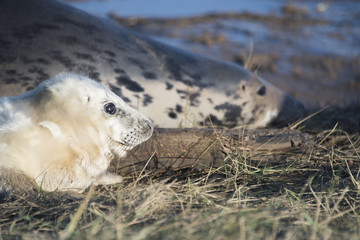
[(307, 196)]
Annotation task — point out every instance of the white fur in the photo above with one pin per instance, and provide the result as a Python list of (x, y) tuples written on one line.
[(60, 135)]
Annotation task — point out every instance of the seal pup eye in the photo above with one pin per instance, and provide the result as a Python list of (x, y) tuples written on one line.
[(110, 108), (261, 91)]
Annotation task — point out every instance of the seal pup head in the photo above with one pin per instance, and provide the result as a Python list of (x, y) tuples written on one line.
[(86, 101), (65, 133)]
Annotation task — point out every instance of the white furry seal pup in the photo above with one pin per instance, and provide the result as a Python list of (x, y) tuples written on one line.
[(64, 133)]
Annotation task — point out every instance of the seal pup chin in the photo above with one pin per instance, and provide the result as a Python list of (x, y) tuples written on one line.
[(64, 134)]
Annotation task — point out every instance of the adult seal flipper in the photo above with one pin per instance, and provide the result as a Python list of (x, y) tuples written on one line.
[(41, 38)]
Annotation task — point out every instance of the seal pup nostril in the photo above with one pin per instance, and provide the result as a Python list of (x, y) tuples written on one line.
[(146, 125), (149, 125)]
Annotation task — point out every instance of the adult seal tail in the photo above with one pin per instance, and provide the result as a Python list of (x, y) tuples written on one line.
[(41, 38)]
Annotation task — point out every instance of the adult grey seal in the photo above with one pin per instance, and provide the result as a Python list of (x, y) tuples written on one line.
[(64, 134), (41, 38)]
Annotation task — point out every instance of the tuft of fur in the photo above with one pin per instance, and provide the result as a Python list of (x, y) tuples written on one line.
[(60, 136)]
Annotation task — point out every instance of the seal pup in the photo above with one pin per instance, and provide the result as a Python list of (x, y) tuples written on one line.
[(64, 134), (41, 38)]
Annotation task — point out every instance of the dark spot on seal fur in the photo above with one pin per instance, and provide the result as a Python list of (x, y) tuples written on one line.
[(65, 61), (84, 56), (258, 109), (110, 53), (41, 75), (178, 72), (251, 120), (211, 120), (182, 93), (225, 106), (87, 70), (194, 99), (172, 115), (85, 43), (94, 75), (210, 101), (5, 43), (118, 92), (129, 84), (232, 112), (42, 61), (28, 60), (174, 69), (193, 96), (7, 59), (69, 40), (25, 78), (178, 108), (147, 99), (120, 47), (169, 86), (99, 40), (87, 27), (33, 30), (236, 96), (136, 62), (11, 81), (174, 64), (149, 75), (11, 71), (230, 93), (29, 88), (109, 57), (120, 71), (33, 69), (110, 60)]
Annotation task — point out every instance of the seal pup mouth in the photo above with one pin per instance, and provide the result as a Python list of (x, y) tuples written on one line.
[(119, 147)]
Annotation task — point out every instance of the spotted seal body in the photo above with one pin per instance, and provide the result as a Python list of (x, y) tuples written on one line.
[(39, 39), (64, 134)]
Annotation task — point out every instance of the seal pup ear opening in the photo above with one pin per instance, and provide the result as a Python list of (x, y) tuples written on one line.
[(67, 132)]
